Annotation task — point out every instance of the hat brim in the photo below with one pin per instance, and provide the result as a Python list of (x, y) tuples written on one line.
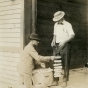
[(58, 18), (35, 39)]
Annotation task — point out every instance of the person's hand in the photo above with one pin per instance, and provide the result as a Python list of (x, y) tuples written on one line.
[(43, 65), (61, 45), (52, 58), (53, 44)]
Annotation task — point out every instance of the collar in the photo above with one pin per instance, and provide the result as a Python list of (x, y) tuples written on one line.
[(61, 23)]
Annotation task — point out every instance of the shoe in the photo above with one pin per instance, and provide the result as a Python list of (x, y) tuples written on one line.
[(55, 83), (63, 85), (86, 65), (65, 79)]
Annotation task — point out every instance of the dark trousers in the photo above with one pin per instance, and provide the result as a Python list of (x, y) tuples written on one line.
[(65, 53)]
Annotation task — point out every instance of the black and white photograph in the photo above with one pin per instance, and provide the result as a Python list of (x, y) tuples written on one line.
[(43, 43)]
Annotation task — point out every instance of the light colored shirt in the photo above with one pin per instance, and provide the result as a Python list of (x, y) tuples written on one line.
[(63, 31)]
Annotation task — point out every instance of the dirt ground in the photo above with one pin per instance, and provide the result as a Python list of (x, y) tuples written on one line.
[(78, 79)]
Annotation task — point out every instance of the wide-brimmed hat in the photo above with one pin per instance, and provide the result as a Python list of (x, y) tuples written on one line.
[(34, 36), (58, 15)]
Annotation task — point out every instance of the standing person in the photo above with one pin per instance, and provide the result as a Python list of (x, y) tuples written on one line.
[(26, 64), (63, 34)]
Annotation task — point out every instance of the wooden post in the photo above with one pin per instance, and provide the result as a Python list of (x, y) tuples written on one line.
[(87, 32), (34, 15)]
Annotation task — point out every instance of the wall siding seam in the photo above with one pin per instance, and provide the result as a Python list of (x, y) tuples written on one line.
[(10, 79), (9, 37), (10, 23), (9, 61), (10, 74), (9, 32), (11, 8), (8, 69), (8, 65), (10, 13), (9, 82), (8, 4), (8, 42), (5, 1), (9, 56), (10, 28), (10, 19)]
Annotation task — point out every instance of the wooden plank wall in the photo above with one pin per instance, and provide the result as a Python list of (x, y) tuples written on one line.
[(10, 39), (76, 14)]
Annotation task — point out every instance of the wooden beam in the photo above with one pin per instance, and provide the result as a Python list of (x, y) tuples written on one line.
[(22, 33), (87, 32), (34, 15)]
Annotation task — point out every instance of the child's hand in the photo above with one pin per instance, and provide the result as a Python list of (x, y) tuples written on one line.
[(52, 58), (43, 65), (53, 44)]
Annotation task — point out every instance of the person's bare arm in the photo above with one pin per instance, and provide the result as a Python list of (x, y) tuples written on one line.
[(53, 41)]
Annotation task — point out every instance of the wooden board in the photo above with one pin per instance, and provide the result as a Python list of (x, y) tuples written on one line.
[(10, 7), (8, 21), (6, 26), (9, 72), (11, 35), (5, 67), (8, 63), (10, 16), (9, 40), (11, 30), (9, 60), (8, 12), (8, 81), (11, 77), (9, 44), (10, 54), (9, 2)]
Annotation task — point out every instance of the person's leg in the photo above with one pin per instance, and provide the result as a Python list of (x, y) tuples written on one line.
[(21, 79), (66, 63), (27, 80)]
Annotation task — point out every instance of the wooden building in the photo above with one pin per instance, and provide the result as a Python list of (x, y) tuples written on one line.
[(16, 23)]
